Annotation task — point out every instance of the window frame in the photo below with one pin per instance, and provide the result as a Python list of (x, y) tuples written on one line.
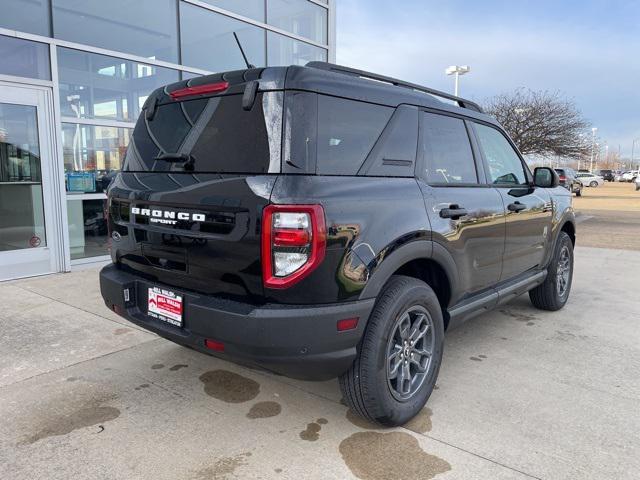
[(525, 168), (475, 152)]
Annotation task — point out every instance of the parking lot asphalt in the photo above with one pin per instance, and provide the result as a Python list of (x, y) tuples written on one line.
[(609, 216), (521, 394)]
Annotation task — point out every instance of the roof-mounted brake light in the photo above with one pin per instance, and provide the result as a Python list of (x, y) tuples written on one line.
[(199, 90)]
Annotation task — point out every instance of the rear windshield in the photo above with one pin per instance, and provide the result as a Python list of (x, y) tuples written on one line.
[(209, 135)]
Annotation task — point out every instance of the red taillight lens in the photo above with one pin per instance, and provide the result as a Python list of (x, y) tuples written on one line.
[(562, 178), (293, 243), (199, 90), (290, 238)]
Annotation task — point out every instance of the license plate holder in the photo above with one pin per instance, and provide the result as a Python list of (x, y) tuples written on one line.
[(166, 306)]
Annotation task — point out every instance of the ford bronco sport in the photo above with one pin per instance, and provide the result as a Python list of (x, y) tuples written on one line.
[(322, 221)]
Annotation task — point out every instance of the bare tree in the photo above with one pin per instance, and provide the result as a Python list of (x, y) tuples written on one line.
[(542, 123)]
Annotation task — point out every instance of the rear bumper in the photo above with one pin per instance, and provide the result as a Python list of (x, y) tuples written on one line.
[(296, 341)]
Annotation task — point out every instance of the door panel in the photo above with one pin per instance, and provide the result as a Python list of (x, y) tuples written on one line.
[(467, 216), (476, 240), (528, 230), (28, 240), (529, 209)]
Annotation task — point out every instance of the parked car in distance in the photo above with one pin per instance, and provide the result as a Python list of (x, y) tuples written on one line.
[(607, 175), (569, 181), (589, 179), (637, 183), (629, 176), (321, 221)]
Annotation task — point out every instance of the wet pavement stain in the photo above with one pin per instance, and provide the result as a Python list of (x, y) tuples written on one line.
[(360, 422), (475, 359), (144, 385), (322, 421), (157, 366), (421, 423), (529, 324), (521, 317), (278, 470), (380, 456), (72, 379), (482, 356), (229, 387), (121, 331), (224, 468), (264, 410), (312, 433), (177, 367), (83, 417)]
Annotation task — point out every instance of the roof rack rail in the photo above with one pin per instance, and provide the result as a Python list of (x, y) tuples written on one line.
[(461, 102)]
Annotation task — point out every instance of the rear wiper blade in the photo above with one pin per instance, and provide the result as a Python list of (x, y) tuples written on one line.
[(186, 159)]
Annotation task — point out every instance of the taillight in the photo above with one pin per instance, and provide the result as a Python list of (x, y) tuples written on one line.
[(293, 243), (199, 90), (563, 178)]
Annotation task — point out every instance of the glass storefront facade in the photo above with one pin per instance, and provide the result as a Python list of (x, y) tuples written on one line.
[(102, 59)]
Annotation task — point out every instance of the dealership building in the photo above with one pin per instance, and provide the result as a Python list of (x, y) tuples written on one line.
[(74, 75)]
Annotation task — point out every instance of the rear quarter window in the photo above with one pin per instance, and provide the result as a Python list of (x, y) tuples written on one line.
[(347, 131)]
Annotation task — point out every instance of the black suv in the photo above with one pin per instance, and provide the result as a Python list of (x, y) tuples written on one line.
[(570, 181), (322, 221), (606, 174)]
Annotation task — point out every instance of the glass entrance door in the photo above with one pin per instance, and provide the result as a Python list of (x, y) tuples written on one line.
[(28, 234)]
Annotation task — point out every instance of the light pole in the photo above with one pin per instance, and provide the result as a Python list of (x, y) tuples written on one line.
[(593, 145), (633, 144), (457, 70)]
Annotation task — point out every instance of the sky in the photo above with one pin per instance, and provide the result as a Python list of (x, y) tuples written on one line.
[(588, 51)]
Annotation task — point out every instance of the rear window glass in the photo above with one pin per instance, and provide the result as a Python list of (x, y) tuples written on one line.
[(215, 134), (347, 131)]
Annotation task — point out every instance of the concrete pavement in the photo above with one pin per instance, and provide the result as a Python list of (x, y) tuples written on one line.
[(521, 394)]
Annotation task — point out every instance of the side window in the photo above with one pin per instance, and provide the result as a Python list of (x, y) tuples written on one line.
[(448, 158), (347, 131), (505, 166)]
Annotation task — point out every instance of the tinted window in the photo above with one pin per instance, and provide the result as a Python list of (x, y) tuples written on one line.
[(447, 151), (26, 16), (347, 131), (148, 28), (23, 58), (505, 166), (395, 151), (216, 132), (300, 17), (98, 86), (208, 42), (247, 8), (287, 51)]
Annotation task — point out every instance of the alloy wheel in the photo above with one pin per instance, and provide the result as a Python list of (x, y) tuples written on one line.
[(409, 352), (563, 272)]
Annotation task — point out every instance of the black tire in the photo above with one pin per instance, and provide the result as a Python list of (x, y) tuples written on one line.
[(579, 193), (366, 386), (593, 184), (550, 295)]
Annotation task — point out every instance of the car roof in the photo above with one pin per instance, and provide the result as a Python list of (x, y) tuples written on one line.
[(345, 82), (329, 79)]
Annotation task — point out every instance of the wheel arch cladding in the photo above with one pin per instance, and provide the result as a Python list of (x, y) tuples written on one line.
[(423, 260), (570, 229)]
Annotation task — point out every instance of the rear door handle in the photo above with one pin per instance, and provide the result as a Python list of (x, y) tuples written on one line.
[(516, 207), (454, 212)]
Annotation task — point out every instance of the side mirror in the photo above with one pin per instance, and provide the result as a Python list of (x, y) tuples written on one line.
[(545, 177)]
